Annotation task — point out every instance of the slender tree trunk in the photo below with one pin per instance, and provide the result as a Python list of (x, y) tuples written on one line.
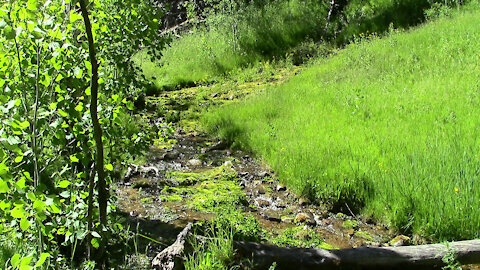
[(97, 131)]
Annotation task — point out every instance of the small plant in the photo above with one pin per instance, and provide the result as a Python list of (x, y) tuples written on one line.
[(450, 259), (215, 252)]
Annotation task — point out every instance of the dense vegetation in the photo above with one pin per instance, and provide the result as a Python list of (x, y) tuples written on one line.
[(388, 125), (239, 34), (51, 212)]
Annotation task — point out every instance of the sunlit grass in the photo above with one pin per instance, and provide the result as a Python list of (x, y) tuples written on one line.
[(390, 126)]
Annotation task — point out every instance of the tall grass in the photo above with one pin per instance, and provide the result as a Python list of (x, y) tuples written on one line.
[(244, 34), (235, 39), (390, 126)]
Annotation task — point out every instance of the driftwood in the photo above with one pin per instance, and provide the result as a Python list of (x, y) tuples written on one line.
[(169, 257), (405, 257)]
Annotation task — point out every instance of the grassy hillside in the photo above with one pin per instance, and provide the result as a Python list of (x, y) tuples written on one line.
[(243, 33), (390, 126)]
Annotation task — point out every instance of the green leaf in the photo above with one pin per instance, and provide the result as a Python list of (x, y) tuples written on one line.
[(78, 72), (4, 205), (74, 158), (39, 205), (130, 106), (95, 234), (74, 16), (9, 33), (17, 212), (95, 243), (62, 113), (64, 183), (59, 77), (109, 167), (18, 159), (31, 196), (79, 107), (32, 5), (25, 263), (4, 186), (42, 259), (24, 224), (21, 183), (55, 209), (15, 260), (65, 194)]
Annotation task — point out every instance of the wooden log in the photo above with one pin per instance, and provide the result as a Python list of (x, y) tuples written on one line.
[(170, 258), (405, 257)]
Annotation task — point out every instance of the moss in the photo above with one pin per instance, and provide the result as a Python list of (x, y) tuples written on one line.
[(162, 143), (364, 235), (171, 198), (224, 173), (300, 237), (147, 200), (209, 195), (350, 224), (207, 190)]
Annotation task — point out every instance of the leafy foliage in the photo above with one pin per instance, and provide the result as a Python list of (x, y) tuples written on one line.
[(46, 157)]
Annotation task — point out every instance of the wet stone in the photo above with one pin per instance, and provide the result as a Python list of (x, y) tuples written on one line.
[(280, 188), (171, 155), (271, 215), (287, 219), (303, 201), (306, 218), (400, 240), (195, 162), (141, 183), (261, 189), (263, 203), (263, 174)]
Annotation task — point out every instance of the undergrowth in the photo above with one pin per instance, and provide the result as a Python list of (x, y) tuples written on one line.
[(389, 125), (242, 34)]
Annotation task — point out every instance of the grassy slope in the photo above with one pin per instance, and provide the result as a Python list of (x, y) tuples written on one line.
[(389, 124)]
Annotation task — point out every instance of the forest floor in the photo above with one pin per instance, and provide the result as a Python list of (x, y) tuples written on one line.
[(191, 177)]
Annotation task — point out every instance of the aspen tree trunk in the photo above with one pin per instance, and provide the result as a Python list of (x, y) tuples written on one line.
[(97, 132)]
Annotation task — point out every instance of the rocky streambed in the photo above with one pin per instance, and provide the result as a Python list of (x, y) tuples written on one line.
[(193, 178)]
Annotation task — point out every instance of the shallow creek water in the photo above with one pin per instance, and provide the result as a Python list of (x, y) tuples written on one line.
[(143, 199)]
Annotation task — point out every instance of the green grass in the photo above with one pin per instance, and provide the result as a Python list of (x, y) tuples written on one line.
[(272, 31), (390, 126), (228, 42)]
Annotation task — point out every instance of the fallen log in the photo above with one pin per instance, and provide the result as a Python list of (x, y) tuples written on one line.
[(170, 258), (262, 256), (405, 257)]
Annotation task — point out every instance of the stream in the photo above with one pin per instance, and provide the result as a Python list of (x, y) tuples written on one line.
[(187, 176)]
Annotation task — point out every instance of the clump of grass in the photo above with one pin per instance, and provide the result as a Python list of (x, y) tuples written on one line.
[(390, 124), (216, 252)]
